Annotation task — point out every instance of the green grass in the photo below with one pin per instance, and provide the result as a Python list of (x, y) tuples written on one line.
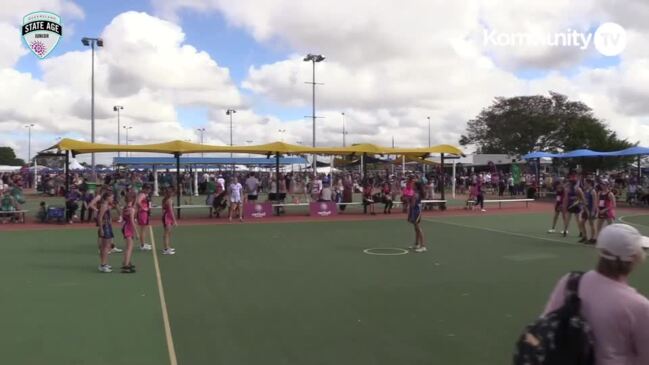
[(289, 293)]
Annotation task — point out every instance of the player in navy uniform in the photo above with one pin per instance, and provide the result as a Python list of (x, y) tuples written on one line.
[(558, 207), (573, 202)]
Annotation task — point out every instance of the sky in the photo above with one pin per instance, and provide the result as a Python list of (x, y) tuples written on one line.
[(178, 65)]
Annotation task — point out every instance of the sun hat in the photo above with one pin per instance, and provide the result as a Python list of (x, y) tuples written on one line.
[(621, 242)]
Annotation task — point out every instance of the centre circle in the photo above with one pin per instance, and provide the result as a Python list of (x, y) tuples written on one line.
[(385, 251)]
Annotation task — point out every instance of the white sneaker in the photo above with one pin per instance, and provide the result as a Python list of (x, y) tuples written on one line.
[(483, 210), (168, 251), (146, 247), (116, 250), (551, 230), (421, 249), (104, 268)]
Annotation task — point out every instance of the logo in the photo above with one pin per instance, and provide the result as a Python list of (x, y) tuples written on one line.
[(42, 31), (258, 211), (324, 209), (609, 39)]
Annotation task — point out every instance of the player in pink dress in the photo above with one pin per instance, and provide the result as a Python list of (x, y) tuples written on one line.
[(129, 230), (558, 207), (168, 221), (143, 213), (605, 206)]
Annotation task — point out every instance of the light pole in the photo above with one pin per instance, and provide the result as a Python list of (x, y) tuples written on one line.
[(230, 113), (313, 58), (86, 41), (281, 133), (201, 131), (126, 129), (249, 142), (428, 131), (425, 168), (29, 141), (117, 108), (344, 131)]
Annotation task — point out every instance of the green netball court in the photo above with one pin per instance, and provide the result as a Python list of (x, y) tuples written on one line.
[(287, 293)]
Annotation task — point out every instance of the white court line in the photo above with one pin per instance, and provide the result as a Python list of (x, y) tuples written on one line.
[(506, 232), (621, 219), (397, 251), (163, 304)]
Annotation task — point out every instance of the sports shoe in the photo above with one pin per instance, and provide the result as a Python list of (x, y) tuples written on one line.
[(421, 249), (565, 233), (168, 251), (146, 247), (551, 230), (104, 268), (583, 240), (128, 269), (592, 241), (115, 250), (483, 210)]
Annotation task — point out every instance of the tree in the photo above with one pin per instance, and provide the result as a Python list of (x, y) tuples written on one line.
[(8, 157), (523, 124)]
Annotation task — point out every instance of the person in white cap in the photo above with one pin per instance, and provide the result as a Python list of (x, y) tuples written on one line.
[(616, 312)]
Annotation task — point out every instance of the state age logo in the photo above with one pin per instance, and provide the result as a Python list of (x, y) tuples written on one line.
[(42, 31)]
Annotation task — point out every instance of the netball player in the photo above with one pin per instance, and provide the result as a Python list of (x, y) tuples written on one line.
[(588, 214), (128, 231), (558, 207), (94, 207), (168, 221), (143, 214), (105, 230), (605, 206), (572, 204), (235, 199), (414, 216)]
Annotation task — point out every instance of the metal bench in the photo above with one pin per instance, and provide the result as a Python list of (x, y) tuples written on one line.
[(501, 201), (19, 213)]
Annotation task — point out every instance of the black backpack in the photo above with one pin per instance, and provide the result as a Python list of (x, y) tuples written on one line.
[(561, 337)]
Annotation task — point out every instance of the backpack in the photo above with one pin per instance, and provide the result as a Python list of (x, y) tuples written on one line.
[(562, 337)]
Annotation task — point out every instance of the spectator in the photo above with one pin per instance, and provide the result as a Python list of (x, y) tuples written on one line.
[(252, 187), (71, 204), (616, 312), (8, 205)]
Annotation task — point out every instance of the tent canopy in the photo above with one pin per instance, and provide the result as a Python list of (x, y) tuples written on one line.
[(632, 151), (181, 147), (203, 161)]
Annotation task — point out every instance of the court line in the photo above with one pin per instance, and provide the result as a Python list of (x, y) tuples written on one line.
[(400, 251), (163, 303), (621, 219), (506, 232)]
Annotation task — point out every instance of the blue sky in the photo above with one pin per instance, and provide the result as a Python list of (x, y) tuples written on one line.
[(230, 46), (401, 89)]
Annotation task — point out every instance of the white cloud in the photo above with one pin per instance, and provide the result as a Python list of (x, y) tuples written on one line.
[(145, 65), (389, 66)]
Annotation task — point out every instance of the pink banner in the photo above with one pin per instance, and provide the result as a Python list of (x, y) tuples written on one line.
[(257, 210), (323, 209)]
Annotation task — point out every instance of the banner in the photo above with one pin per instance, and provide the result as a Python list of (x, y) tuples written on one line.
[(516, 174), (257, 210), (323, 209)]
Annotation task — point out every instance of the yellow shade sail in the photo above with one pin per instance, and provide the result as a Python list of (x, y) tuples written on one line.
[(182, 147)]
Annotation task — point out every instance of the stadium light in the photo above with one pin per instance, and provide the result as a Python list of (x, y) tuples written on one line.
[(87, 41)]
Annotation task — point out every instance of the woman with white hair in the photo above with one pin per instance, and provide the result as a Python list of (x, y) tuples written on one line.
[(617, 314)]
